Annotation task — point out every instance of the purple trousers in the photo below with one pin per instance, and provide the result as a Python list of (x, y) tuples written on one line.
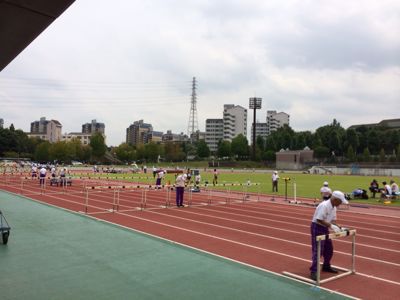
[(42, 178), (326, 246), (179, 195)]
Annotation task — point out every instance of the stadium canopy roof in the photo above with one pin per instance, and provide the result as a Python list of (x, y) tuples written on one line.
[(21, 21)]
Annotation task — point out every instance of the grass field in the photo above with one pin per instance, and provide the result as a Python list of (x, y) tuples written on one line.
[(307, 185)]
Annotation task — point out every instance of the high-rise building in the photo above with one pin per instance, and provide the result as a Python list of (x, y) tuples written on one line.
[(197, 136), (138, 133), (261, 130), (235, 121), (155, 137), (46, 130), (84, 138), (214, 133), (93, 127), (276, 120), (174, 137)]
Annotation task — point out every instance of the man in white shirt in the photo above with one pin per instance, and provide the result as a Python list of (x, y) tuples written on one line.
[(197, 179), (154, 172), (275, 178), (42, 174), (160, 176), (323, 219), (34, 171), (387, 189), (180, 187), (325, 191)]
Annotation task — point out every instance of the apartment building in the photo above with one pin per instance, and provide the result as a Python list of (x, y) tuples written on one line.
[(138, 133), (155, 137), (93, 127), (84, 138), (235, 121), (48, 130), (214, 133), (276, 120), (261, 130), (174, 137)]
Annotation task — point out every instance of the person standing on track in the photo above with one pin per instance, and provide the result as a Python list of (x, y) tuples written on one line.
[(160, 175), (42, 176), (63, 180), (325, 191), (34, 171), (180, 187), (275, 179), (154, 172), (323, 219), (215, 178)]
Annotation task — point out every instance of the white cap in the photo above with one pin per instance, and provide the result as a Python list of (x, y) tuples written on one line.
[(339, 195), (184, 176), (275, 172), (326, 183)]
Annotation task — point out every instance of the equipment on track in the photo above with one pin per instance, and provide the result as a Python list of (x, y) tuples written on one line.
[(4, 228)]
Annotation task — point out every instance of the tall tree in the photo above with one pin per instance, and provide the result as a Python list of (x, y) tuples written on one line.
[(42, 152), (152, 151), (224, 149), (382, 155), (351, 155), (240, 146), (351, 139), (59, 151), (98, 145), (125, 152), (202, 149), (366, 155), (173, 152), (260, 142)]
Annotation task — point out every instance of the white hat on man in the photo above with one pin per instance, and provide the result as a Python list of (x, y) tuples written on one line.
[(339, 195)]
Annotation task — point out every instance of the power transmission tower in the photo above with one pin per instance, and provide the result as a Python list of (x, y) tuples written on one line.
[(193, 126)]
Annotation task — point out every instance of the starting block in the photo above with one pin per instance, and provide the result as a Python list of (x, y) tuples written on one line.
[(346, 272)]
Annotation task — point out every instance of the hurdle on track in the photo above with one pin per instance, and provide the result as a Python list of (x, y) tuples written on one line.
[(219, 196), (346, 272)]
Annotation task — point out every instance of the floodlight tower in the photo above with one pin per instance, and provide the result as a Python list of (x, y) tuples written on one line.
[(254, 103), (193, 124)]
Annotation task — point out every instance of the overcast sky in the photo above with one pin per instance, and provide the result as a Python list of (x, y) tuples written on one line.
[(124, 60)]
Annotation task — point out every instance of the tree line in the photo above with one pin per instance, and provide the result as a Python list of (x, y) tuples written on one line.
[(331, 143)]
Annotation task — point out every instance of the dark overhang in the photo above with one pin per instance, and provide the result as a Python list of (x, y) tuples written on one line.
[(21, 21)]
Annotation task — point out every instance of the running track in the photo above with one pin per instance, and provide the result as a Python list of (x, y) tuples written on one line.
[(269, 235)]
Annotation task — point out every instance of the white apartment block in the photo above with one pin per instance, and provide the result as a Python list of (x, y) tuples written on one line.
[(84, 138), (261, 130), (276, 120), (214, 133), (235, 121)]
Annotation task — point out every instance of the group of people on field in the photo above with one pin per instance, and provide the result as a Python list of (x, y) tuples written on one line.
[(181, 181), (42, 172), (389, 190)]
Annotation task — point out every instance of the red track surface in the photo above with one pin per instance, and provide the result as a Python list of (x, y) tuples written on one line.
[(270, 235)]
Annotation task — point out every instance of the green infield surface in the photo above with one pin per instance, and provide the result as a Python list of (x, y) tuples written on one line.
[(303, 185), (55, 254)]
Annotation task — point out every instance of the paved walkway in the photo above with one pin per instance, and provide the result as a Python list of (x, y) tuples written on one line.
[(55, 254)]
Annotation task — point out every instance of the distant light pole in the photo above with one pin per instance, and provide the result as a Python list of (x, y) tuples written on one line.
[(254, 103)]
